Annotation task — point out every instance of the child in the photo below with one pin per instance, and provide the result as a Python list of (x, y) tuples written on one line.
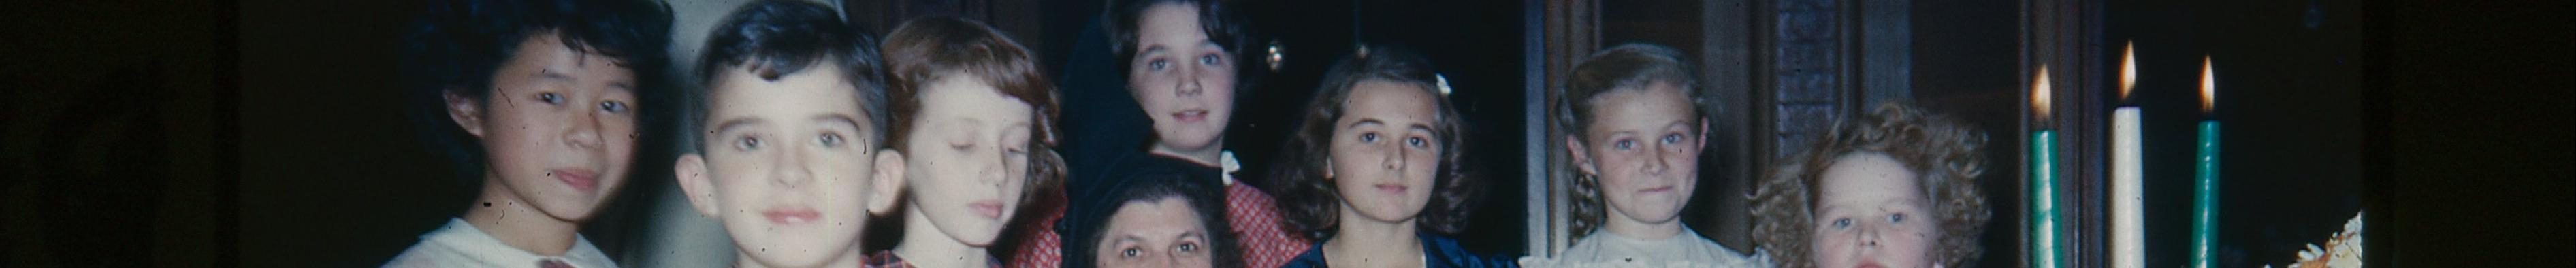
[(1896, 188), (1374, 171), (792, 124), (546, 98), (1159, 217), (975, 122), (1182, 70), (1635, 123)]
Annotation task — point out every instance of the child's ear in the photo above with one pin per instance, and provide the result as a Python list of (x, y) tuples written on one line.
[(692, 173), (886, 186), (1703, 134), (1582, 158), (466, 110), (1328, 168)]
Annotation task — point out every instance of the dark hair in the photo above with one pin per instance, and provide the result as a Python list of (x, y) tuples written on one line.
[(1623, 67), (1216, 19), (1309, 203), (1942, 152), (928, 49), (1205, 198), (457, 45), (781, 37)]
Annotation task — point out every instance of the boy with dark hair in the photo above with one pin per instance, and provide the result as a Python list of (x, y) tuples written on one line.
[(791, 157)]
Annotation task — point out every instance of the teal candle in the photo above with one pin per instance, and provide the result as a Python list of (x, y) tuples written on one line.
[(2043, 199), (2204, 204)]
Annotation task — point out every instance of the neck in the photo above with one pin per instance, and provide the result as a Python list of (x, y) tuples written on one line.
[(1205, 156), (1362, 242), (850, 258), (517, 223), (924, 245), (1623, 226)]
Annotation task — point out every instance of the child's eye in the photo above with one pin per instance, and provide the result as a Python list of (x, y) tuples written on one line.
[(1896, 218), (1673, 139), (830, 139), (612, 106), (1130, 252), (550, 98), (747, 143), (1368, 137), (1624, 144), (1842, 223), (1210, 59), (1417, 142), (1188, 247), (1158, 64)]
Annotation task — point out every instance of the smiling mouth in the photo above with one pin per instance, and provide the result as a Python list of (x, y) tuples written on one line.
[(1656, 190), (987, 208), (791, 215), (582, 180), (1190, 115), (1870, 264)]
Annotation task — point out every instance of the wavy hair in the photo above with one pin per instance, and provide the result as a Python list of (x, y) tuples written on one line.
[(1623, 67), (924, 50), (1944, 153), (1309, 203)]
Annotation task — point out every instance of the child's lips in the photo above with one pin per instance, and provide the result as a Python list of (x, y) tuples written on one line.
[(1190, 115), (1871, 264), (791, 215), (1392, 188), (1656, 190), (987, 208), (583, 180)]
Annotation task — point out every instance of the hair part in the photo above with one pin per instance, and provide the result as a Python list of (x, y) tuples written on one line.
[(1945, 154), (925, 50), (1309, 203), (456, 46), (776, 38), (1626, 67)]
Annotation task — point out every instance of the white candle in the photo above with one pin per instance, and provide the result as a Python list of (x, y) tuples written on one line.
[(2128, 226)]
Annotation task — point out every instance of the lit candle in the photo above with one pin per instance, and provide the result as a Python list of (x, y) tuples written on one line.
[(2128, 227), (2043, 178), (2204, 204)]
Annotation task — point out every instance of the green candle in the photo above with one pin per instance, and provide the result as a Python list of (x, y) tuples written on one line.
[(2044, 250), (2204, 202)]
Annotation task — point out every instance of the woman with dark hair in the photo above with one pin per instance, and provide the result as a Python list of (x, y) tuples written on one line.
[(1158, 217), (1374, 171), (1896, 187)]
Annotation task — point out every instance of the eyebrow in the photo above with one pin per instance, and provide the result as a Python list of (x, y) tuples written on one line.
[(1152, 49), (1365, 121), (730, 125), (836, 118)]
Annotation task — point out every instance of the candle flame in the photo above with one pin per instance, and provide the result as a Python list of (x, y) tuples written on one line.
[(2039, 94), (2128, 70), (2208, 87)]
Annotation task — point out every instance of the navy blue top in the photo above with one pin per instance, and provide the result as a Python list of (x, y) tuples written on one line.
[(1437, 251)]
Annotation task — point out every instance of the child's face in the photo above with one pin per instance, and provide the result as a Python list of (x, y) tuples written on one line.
[(1869, 212), (1184, 81), (558, 127), (1384, 150), (1644, 146), (792, 166), (1160, 233), (968, 157)]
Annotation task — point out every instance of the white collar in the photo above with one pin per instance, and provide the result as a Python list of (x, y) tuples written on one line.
[(1226, 160), (461, 238)]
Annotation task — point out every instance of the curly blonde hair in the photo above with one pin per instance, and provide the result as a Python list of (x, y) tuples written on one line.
[(1945, 153)]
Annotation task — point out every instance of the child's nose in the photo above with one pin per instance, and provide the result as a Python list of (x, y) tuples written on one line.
[(792, 169), (583, 132)]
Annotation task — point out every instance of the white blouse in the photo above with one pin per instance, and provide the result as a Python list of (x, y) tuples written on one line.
[(1687, 249), (459, 244)]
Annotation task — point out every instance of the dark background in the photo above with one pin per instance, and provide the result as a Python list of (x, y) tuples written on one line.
[(256, 134)]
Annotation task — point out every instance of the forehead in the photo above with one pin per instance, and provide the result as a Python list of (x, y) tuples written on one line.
[(546, 52), (1866, 176), (819, 87), (1169, 22), (1388, 101), (966, 95), (1167, 215), (1656, 103)]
